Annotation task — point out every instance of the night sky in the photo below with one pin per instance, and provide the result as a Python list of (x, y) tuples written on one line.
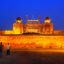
[(11, 9)]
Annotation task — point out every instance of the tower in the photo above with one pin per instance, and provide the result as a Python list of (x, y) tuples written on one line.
[(47, 27), (18, 26)]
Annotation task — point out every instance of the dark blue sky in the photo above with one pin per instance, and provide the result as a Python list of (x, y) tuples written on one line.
[(10, 9)]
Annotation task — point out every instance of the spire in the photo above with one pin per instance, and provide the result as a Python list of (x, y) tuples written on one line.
[(26, 19), (39, 19)]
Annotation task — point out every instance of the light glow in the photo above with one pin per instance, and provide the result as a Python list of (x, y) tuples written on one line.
[(33, 42)]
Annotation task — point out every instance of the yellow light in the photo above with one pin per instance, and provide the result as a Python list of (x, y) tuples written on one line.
[(33, 41), (16, 30), (19, 21), (8, 32), (47, 21)]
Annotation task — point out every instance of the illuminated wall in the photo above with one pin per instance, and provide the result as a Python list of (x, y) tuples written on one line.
[(33, 41), (33, 26), (47, 28), (17, 28), (8, 32)]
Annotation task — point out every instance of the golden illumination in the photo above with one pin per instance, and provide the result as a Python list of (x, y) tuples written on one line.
[(32, 30), (47, 21), (33, 42), (19, 21), (16, 30), (8, 32)]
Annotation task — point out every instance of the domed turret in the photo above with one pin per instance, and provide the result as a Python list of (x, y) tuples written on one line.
[(47, 20), (18, 19)]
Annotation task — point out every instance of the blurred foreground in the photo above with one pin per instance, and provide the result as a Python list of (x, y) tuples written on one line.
[(33, 57)]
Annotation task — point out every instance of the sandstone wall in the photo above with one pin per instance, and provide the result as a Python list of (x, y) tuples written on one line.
[(33, 41)]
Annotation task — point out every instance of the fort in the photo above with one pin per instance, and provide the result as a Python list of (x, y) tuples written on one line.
[(33, 35), (32, 26)]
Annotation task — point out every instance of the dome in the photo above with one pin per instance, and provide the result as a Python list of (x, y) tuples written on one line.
[(18, 18), (47, 18)]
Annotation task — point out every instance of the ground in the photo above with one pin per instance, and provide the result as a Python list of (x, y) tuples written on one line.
[(31, 57)]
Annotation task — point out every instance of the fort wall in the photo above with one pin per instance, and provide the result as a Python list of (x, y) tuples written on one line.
[(33, 41)]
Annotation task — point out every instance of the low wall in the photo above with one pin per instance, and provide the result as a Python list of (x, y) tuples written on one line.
[(33, 41)]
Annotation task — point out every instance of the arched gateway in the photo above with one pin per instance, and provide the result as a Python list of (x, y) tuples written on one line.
[(33, 25)]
